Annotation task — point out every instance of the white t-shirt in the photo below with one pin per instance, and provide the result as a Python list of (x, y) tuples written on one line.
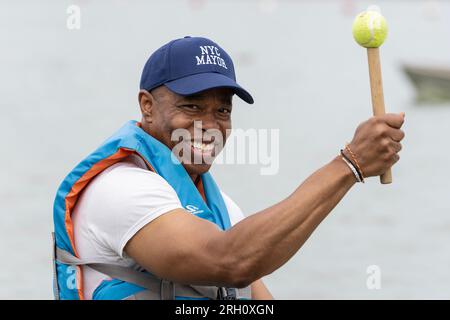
[(114, 207)]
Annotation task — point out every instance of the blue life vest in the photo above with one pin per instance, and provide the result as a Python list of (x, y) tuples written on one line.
[(127, 140)]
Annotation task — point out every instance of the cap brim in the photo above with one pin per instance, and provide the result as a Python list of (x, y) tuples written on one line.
[(203, 81)]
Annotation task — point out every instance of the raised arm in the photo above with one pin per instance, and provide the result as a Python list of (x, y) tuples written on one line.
[(186, 249)]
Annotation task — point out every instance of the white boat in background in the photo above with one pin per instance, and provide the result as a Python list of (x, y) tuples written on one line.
[(431, 82)]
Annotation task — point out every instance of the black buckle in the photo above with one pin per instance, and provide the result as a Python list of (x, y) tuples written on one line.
[(226, 294)]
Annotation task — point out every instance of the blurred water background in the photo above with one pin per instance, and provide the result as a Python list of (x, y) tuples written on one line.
[(63, 91)]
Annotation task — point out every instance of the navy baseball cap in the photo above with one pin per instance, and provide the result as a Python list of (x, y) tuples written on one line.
[(190, 65)]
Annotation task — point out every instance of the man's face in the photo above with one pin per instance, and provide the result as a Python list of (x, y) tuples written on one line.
[(196, 126)]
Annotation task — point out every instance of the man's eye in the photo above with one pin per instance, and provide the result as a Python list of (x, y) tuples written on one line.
[(191, 106), (225, 110)]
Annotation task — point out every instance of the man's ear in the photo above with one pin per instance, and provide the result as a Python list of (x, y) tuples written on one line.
[(146, 102)]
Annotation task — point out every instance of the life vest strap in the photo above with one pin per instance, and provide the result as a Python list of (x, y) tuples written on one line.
[(55, 273), (165, 289), (145, 280)]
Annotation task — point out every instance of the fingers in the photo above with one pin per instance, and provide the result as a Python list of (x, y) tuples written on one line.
[(395, 158), (377, 142), (392, 155), (397, 146), (395, 134), (389, 147), (394, 120)]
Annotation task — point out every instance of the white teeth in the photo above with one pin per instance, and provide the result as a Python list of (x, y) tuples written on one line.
[(207, 147), (203, 146)]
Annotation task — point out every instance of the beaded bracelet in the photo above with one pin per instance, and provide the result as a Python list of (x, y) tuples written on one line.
[(360, 177), (355, 161), (352, 168)]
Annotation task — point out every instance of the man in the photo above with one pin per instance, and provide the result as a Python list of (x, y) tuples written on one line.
[(134, 222)]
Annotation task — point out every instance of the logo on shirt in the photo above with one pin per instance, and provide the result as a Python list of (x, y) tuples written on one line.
[(210, 55), (193, 209)]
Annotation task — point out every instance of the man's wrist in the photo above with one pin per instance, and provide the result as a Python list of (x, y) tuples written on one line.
[(347, 174)]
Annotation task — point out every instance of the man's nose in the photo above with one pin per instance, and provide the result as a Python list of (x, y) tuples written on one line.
[(209, 121)]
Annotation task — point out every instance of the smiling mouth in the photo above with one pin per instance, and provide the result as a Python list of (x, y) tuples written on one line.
[(202, 146)]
